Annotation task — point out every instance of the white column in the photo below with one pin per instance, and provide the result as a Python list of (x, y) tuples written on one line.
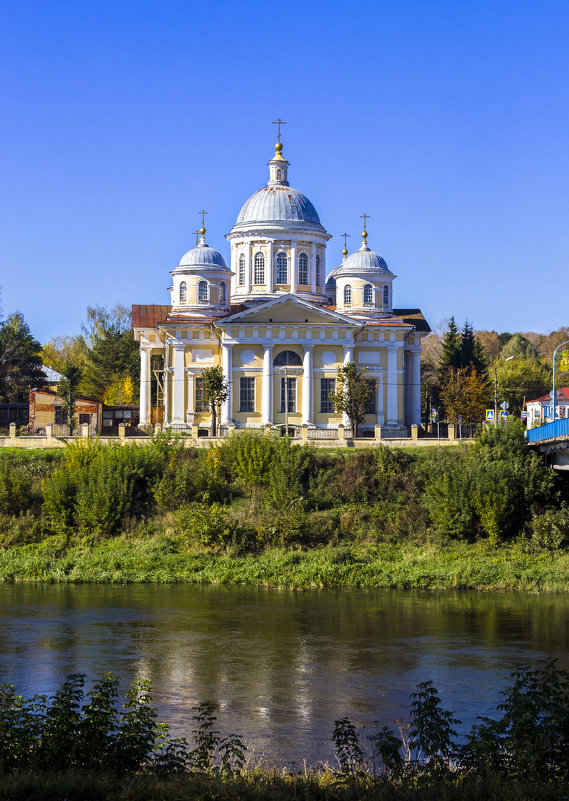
[(348, 357), (416, 387), (269, 275), (248, 276), (178, 389), (293, 267), (267, 398), (380, 414), (307, 387), (313, 267), (392, 385), (227, 370), (144, 386), (191, 394)]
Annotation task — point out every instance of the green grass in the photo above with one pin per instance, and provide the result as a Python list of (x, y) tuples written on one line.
[(269, 785), (406, 566)]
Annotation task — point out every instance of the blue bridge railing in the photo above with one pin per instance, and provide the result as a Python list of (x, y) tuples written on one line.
[(560, 428)]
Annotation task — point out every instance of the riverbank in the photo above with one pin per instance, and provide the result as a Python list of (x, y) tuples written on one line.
[(126, 560)]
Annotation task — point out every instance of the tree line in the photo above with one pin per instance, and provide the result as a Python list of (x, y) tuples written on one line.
[(101, 362), (464, 371)]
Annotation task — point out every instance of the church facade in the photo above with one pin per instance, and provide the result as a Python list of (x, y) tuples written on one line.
[(279, 329)]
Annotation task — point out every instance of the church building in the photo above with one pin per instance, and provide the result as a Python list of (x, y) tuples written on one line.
[(278, 327)]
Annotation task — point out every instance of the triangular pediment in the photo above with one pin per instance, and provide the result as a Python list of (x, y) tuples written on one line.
[(289, 310)]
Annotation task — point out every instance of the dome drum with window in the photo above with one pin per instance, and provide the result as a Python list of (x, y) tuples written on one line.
[(200, 281), (363, 283)]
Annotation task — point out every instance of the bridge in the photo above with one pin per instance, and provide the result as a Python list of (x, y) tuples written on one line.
[(552, 440)]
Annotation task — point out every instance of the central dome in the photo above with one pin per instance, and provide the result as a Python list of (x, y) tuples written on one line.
[(278, 203)]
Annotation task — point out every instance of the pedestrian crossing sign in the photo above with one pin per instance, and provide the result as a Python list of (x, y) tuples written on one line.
[(489, 414)]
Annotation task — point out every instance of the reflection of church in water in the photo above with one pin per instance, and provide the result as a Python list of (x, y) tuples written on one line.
[(273, 313)]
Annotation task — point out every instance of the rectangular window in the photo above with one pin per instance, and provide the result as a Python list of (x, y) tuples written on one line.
[(246, 394), (198, 399), (371, 405), (327, 386), (84, 418), (59, 416), (291, 394)]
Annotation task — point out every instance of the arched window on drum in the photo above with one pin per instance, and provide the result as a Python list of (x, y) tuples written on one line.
[(183, 292), (259, 273), (282, 269), (241, 270), (368, 295), (317, 270), (223, 293), (347, 295), (202, 292), (303, 269), (386, 296)]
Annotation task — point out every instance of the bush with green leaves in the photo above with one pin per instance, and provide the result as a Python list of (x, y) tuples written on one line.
[(98, 488), (71, 731), (494, 487), (15, 488)]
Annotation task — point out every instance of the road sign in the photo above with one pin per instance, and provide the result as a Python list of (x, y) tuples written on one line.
[(460, 419), (505, 406), (524, 415), (489, 414), (504, 415)]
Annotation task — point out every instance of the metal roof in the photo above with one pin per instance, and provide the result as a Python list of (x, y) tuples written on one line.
[(278, 203), (203, 256), (363, 260)]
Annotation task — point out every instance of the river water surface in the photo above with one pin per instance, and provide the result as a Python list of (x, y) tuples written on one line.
[(282, 665)]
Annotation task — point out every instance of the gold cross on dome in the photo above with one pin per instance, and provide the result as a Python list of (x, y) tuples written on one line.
[(365, 217), (203, 212), (197, 233), (346, 236), (279, 122)]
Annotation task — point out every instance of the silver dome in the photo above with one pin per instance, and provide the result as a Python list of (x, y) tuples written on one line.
[(278, 203), (202, 256), (363, 260)]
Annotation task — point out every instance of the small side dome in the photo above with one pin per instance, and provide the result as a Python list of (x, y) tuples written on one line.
[(363, 261), (202, 256)]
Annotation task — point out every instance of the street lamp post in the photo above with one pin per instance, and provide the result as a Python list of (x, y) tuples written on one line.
[(553, 391)]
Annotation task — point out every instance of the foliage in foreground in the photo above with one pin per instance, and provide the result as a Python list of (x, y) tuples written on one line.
[(522, 755), (255, 491)]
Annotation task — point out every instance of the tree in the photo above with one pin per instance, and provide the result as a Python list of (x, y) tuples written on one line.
[(20, 359), (522, 378), (451, 355), (465, 393), (68, 392), (215, 391), (520, 347), (113, 353), (63, 349), (353, 391), (490, 341)]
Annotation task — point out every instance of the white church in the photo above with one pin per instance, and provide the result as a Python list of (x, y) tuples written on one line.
[(278, 327)]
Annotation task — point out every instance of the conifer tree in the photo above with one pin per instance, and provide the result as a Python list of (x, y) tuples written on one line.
[(451, 356)]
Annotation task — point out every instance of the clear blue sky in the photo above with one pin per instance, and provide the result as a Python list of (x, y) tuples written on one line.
[(447, 122)]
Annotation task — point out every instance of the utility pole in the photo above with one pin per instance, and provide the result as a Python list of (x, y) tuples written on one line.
[(495, 396)]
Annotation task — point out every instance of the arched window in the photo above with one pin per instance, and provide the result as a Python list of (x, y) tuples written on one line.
[(303, 269), (241, 270), (386, 296), (202, 292), (183, 292), (347, 295), (259, 276), (279, 174), (223, 293), (287, 358), (368, 295), (317, 270), (282, 268)]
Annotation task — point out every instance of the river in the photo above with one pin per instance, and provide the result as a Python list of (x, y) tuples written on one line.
[(282, 665)]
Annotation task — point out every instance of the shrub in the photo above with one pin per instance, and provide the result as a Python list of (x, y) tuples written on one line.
[(15, 487), (98, 488)]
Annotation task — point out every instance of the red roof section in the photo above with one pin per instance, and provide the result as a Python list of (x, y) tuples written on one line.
[(561, 394), (148, 316)]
